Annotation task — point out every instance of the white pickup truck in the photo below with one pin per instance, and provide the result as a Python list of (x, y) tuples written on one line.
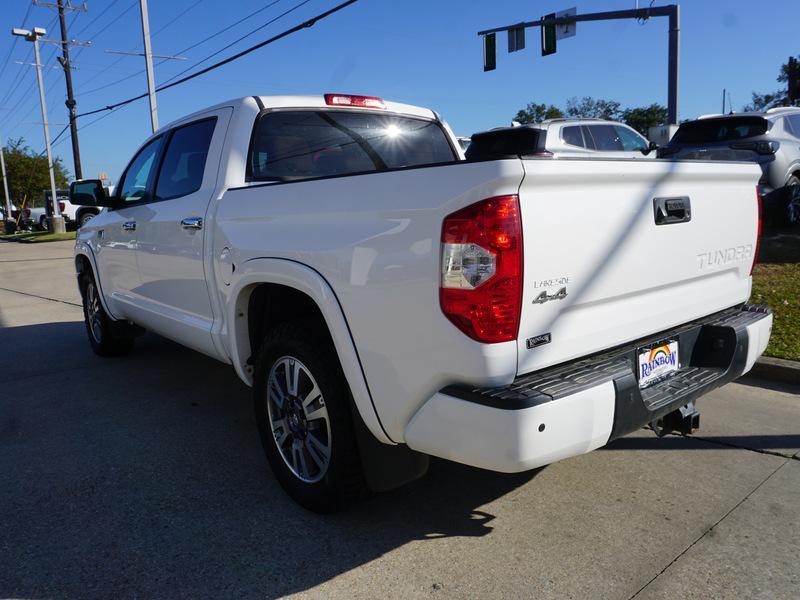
[(388, 300)]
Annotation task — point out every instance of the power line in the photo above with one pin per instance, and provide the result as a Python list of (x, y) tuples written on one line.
[(179, 52), (50, 62), (245, 36), (14, 85), (16, 39), (116, 18), (304, 25), (97, 18), (118, 60)]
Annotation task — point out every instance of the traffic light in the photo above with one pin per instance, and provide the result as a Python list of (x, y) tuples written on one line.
[(548, 36), (489, 52)]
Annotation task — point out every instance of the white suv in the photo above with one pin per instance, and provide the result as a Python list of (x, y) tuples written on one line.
[(588, 138)]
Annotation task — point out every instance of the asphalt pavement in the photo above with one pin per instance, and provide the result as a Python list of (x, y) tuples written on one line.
[(143, 477)]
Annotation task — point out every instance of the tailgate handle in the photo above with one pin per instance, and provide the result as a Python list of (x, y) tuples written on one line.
[(672, 210)]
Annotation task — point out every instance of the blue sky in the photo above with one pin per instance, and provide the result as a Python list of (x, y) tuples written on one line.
[(423, 52)]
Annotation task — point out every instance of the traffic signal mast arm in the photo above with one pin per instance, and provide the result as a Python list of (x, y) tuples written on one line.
[(671, 10)]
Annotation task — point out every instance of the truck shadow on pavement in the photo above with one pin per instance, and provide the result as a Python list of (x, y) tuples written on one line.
[(144, 476)]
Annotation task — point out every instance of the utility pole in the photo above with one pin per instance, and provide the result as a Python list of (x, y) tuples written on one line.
[(67, 66), (5, 179), (642, 14), (56, 221), (71, 104), (148, 61)]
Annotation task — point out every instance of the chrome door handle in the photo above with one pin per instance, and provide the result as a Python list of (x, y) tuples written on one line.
[(129, 226), (192, 223)]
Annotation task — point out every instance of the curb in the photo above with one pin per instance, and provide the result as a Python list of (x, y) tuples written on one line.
[(35, 241), (776, 369)]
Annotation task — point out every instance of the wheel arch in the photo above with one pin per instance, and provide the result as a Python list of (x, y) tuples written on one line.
[(84, 260), (247, 316), (83, 210)]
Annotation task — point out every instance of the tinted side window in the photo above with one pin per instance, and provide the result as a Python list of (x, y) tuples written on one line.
[(185, 160), (572, 136), (630, 140), (291, 145), (794, 121), (605, 137), (134, 183)]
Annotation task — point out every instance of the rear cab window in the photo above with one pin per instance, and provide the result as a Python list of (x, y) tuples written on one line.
[(291, 145), (720, 130)]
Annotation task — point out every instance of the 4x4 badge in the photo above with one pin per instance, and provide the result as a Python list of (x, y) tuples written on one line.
[(545, 297)]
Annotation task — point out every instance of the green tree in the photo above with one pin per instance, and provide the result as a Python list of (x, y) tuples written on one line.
[(589, 108), (535, 113), (779, 97), (645, 117), (28, 175)]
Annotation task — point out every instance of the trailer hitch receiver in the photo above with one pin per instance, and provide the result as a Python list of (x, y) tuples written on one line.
[(684, 420)]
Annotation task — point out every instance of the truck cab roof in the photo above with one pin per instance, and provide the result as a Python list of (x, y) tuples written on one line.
[(259, 103)]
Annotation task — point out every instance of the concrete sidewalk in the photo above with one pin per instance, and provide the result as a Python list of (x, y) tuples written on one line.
[(143, 476)]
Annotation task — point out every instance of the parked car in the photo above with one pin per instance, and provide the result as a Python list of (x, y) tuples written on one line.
[(3, 211), (33, 218), (77, 215), (388, 301), (770, 139), (589, 138)]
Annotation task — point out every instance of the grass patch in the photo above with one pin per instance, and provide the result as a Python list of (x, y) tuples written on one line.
[(778, 286), (30, 237)]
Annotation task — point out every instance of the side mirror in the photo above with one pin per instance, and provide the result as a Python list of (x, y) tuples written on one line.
[(650, 147), (89, 192)]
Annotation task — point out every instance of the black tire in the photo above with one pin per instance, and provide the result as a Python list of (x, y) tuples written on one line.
[(99, 327), (43, 223), (341, 482), (84, 218)]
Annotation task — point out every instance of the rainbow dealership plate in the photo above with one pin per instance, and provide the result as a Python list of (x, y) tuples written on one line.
[(657, 363)]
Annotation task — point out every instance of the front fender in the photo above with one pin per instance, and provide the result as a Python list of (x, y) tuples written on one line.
[(296, 275)]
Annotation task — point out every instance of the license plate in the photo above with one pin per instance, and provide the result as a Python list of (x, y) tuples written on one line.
[(657, 362)]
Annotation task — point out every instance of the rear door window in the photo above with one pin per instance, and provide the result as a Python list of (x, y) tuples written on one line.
[(604, 137), (301, 144), (185, 160), (572, 136)]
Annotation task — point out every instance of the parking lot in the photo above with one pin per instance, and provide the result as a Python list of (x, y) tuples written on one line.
[(144, 477)]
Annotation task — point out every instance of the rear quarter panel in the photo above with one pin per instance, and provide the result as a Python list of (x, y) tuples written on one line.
[(376, 240)]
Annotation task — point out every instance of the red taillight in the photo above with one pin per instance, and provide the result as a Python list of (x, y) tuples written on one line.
[(758, 231), (349, 100), (61, 206), (481, 285)]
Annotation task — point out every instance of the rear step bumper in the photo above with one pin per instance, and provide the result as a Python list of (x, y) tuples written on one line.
[(579, 406)]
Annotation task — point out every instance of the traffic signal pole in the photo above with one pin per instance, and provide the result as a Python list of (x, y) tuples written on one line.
[(672, 11)]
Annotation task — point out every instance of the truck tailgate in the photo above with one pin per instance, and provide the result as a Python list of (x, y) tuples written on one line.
[(618, 250)]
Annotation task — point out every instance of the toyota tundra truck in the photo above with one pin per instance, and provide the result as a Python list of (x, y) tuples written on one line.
[(388, 300)]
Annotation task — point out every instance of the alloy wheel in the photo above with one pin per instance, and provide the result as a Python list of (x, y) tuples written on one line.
[(299, 419)]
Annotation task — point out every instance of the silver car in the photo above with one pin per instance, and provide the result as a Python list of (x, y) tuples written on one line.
[(561, 138), (771, 139), (597, 138)]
